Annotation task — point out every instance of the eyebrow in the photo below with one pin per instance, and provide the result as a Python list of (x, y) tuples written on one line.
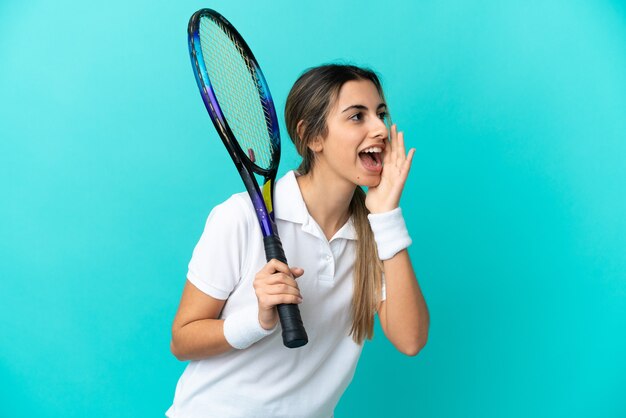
[(362, 107)]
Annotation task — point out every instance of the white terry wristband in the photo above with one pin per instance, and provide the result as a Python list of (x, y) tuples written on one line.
[(242, 328), (390, 233)]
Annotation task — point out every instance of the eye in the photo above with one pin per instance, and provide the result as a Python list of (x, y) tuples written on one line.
[(382, 115), (357, 116)]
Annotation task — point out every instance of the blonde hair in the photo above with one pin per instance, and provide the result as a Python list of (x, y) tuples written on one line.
[(309, 102)]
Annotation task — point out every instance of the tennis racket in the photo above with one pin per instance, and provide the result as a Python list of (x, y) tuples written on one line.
[(238, 100)]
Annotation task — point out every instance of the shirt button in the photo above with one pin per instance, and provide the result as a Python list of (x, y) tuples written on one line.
[(328, 257)]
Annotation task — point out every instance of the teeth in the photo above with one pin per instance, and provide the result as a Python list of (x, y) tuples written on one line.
[(373, 149)]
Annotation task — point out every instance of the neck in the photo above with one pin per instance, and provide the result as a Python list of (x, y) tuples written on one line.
[(327, 200)]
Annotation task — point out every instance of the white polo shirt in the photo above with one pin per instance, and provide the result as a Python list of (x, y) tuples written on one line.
[(267, 379)]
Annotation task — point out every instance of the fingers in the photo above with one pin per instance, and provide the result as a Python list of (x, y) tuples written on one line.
[(396, 165), (274, 266), (406, 166), (400, 150), (397, 149), (275, 284), (279, 283)]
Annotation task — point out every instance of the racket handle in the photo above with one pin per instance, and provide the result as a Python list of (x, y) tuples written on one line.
[(294, 334)]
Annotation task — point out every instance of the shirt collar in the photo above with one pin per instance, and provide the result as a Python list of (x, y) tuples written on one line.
[(289, 206)]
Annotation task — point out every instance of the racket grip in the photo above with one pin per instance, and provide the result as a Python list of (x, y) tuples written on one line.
[(294, 334)]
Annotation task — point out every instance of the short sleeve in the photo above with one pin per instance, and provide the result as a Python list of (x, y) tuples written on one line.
[(218, 259)]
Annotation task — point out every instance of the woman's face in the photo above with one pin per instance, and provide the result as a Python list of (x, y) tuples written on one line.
[(357, 135)]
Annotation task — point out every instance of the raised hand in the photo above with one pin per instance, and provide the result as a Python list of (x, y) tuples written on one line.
[(396, 166)]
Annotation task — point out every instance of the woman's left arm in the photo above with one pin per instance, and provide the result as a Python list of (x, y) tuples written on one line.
[(403, 314)]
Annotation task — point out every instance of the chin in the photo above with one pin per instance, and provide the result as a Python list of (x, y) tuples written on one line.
[(368, 181)]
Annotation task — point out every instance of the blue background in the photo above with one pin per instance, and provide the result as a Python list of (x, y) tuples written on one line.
[(516, 201)]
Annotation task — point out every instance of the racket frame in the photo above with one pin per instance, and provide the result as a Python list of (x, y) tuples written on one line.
[(261, 200)]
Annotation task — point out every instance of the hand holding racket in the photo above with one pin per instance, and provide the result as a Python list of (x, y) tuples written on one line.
[(238, 100)]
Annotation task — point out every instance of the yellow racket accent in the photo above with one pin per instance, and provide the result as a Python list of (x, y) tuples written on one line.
[(267, 195)]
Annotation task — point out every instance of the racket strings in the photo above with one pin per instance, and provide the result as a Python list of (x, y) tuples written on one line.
[(238, 90)]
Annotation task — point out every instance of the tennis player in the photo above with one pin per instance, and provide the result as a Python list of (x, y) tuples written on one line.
[(348, 255)]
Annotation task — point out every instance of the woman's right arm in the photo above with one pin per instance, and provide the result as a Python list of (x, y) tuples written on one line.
[(196, 332)]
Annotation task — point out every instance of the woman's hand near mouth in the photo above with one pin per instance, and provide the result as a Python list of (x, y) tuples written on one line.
[(396, 166)]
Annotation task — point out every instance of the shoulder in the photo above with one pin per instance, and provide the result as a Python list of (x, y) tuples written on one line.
[(220, 257), (232, 220), (237, 209)]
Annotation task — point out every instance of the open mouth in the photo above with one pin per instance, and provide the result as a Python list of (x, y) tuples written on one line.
[(372, 158)]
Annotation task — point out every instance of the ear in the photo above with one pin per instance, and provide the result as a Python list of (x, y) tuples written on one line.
[(316, 144), (300, 128)]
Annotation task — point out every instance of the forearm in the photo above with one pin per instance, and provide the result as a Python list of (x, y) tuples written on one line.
[(404, 314), (198, 334), (199, 339)]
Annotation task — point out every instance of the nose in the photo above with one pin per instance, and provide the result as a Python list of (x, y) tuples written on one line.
[(379, 129)]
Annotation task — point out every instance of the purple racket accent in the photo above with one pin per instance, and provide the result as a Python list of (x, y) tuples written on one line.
[(264, 219), (251, 155)]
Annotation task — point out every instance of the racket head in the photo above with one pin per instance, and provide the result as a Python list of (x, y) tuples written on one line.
[(234, 92)]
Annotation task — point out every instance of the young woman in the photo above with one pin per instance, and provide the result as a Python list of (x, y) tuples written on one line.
[(347, 251)]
